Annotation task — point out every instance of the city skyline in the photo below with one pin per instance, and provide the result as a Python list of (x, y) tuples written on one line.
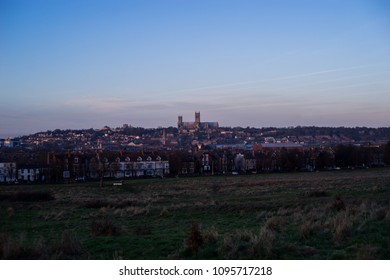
[(86, 64)]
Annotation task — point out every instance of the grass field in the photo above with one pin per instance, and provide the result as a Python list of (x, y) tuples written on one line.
[(319, 215)]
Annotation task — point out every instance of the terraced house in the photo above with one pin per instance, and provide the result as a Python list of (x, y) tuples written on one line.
[(142, 166), (147, 166), (7, 172)]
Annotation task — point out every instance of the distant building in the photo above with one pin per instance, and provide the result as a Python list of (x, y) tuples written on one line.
[(9, 143), (262, 146), (31, 173), (196, 125), (7, 172), (125, 168)]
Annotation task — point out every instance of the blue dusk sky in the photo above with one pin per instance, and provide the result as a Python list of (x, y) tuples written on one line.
[(90, 63)]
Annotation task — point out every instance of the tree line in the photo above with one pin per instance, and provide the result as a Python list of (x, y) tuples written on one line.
[(211, 161)]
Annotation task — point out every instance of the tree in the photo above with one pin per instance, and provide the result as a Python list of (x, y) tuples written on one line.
[(387, 153), (325, 159), (346, 155), (97, 168), (93, 168), (115, 168), (239, 163), (176, 161)]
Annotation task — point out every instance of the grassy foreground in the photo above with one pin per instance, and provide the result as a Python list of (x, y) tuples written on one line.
[(322, 215)]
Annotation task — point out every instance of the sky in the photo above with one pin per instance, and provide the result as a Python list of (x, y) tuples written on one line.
[(261, 63)]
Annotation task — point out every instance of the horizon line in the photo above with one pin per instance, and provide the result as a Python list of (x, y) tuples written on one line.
[(220, 127)]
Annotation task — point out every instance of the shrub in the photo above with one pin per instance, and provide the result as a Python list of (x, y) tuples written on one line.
[(27, 196), (194, 238), (96, 204), (34, 196)]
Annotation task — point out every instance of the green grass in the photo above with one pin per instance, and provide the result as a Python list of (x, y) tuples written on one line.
[(264, 216)]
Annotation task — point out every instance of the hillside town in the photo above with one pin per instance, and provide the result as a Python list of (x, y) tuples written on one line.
[(191, 148)]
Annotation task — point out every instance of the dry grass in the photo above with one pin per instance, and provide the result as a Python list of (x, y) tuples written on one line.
[(275, 223), (128, 211), (210, 235), (338, 204), (387, 216), (342, 225), (236, 246), (10, 211), (266, 238), (308, 228), (116, 202), (260, 216), (19, 248), (283, 211), (56, 215), (117, 255), (311, 220), (103, 226), (316, 193), (247, 245), (194, 239), (142, 230), (245, 217), (164, 211), (367, 252), (70, 244)]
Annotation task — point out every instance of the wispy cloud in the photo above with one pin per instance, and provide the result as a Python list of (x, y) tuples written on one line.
[(271, 79), (112, 104)]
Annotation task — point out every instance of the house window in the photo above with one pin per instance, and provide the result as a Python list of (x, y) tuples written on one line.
[(149, 172)]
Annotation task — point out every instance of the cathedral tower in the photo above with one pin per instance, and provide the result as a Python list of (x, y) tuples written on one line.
[(197, 118), (179, 121)]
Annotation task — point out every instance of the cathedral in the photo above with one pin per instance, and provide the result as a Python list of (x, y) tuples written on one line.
[(196, 125)]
